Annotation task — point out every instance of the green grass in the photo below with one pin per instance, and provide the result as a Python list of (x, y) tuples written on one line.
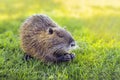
[(95, 26)]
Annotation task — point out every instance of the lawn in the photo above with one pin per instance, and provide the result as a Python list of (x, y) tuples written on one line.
[(95, 25)]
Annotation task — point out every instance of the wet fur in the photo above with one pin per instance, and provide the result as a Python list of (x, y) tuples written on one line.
[(37, 42)]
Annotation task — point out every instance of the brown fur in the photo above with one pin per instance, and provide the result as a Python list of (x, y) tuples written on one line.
[(42, 38)]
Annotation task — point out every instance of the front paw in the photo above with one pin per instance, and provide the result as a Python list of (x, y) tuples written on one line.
[(72, 56), (66, 57)]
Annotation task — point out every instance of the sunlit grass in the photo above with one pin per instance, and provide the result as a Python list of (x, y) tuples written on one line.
[(73, 8), (94, 24)]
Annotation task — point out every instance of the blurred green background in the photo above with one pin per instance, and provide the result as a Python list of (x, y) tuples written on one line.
[(97, 15), (95, 25)]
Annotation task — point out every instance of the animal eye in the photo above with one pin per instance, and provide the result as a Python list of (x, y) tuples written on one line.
[(50, 31)]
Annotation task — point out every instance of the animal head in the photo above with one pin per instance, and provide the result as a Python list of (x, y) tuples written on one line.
[(60, 39)]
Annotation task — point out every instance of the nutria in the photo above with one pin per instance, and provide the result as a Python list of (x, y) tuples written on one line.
[(43, 39)]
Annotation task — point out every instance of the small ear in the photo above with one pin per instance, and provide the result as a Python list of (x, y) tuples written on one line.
[(50, 31)]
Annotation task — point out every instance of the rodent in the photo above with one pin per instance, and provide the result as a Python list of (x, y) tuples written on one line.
[(44, 39)]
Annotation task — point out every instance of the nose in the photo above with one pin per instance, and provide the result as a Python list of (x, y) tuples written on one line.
[(72, 44)]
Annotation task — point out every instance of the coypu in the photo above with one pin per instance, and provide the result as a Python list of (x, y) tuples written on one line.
[(43, 39)]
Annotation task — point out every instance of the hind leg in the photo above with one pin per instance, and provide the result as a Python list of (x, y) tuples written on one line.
[(27, 57)]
